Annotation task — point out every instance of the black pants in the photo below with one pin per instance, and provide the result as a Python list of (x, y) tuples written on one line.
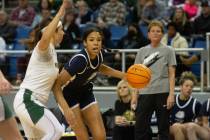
[(123, 133), (147, 104)]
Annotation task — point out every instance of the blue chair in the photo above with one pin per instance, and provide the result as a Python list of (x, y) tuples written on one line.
[(21, 32), (198, 42), (117, 32)]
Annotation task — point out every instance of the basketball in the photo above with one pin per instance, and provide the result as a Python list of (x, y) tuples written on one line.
[(138, 76)]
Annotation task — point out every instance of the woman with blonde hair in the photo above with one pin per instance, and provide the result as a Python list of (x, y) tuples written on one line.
[(183, 25), (124, 116)]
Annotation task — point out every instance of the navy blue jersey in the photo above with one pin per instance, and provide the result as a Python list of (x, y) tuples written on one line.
[(185, 111), (205, 111), (82, 69)]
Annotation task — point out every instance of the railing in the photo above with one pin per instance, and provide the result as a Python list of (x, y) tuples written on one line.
[(124, 51), (208, 65)]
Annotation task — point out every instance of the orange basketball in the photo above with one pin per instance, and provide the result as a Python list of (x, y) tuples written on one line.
[(138, 75)]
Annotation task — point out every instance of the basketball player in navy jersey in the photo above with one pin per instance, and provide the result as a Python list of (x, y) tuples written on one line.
[(76, 100), (186, 108), (201, 131)]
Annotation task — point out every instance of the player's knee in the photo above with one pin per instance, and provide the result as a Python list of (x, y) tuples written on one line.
[(175, 128), (99, 136), (190, 127)]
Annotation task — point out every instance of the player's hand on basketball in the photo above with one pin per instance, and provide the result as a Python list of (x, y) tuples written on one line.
[(170, 101), (70, 117)]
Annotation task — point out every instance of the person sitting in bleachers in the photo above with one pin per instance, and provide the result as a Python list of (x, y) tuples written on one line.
[(182, 23), (134, 39), (152, 10), (192, 9), (186, 108), (201, 131), (45, 13), (23, 14), (124, 116), (72, 37), (173, 39), (137, 11), (7, 36), (84, 14), (112, 12), (201, 25), (7, 29), (45, 4)]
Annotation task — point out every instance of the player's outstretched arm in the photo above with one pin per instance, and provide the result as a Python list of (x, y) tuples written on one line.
[(51, 28), (106, 70)]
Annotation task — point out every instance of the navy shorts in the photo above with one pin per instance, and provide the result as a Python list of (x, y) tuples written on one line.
[(82, 96)]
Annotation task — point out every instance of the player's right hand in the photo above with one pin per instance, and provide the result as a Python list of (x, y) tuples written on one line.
[(70, 117)]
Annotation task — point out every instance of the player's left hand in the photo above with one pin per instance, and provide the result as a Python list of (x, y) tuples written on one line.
[(5, 86)]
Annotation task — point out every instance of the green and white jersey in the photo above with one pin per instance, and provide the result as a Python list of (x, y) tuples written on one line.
[(41, 73)]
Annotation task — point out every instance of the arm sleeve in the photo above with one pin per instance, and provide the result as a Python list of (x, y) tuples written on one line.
[(171, 57), (198, 109), (205, 109), (138, 59), (77, 64)]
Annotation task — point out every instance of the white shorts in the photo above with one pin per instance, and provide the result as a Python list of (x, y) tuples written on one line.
[(5, 112), (34, 116)]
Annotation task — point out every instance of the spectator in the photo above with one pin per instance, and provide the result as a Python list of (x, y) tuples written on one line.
[(182, 23), (7, 29), (186, 108), (134, 39), (23, 14), (84, 13), (158, 96), (173, 39), (137, 12), (201, 131), (45, 13), (192, 9), (124, 116), (72, 37), (201, 25), (44, 4), (112, 13), (151, 11)]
